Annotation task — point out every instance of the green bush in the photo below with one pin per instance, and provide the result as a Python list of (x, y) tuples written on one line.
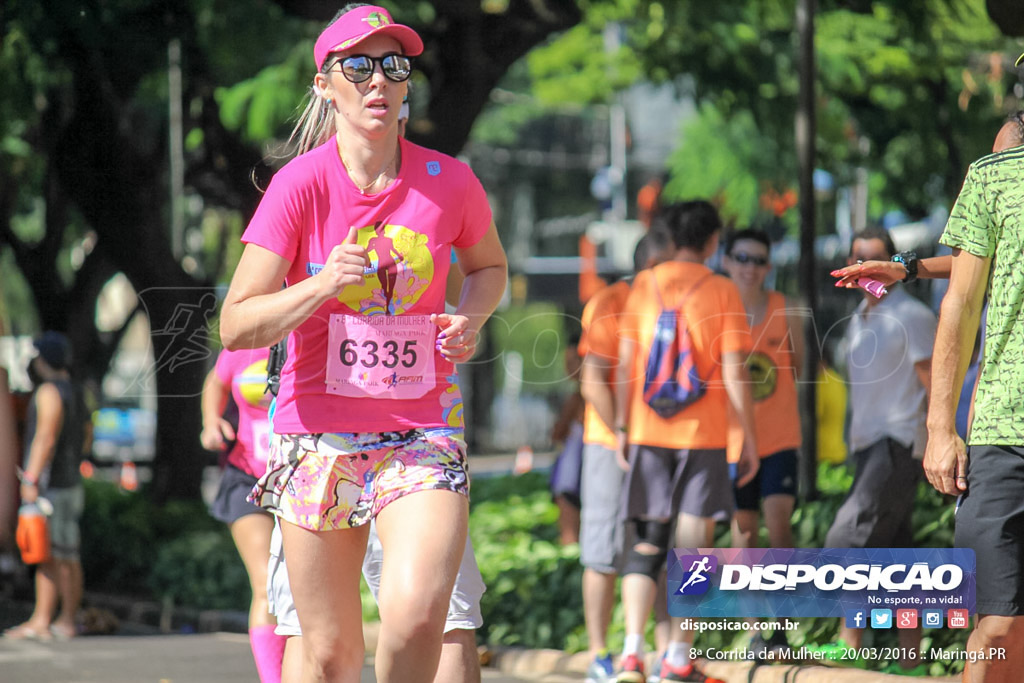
[(122, 534), (533, 596), (201, 569)]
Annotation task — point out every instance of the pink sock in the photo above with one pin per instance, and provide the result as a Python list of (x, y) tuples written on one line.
[(268, 651)]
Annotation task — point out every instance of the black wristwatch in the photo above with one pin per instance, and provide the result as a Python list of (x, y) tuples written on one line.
[(909, 261)]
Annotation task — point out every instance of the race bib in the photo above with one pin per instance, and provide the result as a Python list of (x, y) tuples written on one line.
[(380, 356), (261, 440)]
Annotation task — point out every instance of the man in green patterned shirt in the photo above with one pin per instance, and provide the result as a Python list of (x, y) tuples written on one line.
[(986, 233)]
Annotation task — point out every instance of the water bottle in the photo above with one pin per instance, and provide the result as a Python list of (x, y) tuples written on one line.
[(33, 534)]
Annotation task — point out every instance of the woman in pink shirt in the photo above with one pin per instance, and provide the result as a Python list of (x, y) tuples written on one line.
[(369, 417), (242, 377)]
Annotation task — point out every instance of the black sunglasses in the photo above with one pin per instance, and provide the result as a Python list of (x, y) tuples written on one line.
[(360, 68), (743, 258)]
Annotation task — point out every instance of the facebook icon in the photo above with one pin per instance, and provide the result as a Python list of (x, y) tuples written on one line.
[(856, 618)]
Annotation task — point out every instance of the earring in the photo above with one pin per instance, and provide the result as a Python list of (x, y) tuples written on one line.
[(329, 101)]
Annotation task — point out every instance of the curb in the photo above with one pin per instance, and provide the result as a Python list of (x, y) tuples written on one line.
[(536, 662), (166, 618), (812, 673), (532, 662)]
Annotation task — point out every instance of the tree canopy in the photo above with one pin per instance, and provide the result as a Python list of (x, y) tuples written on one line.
[(85, 160), (912, 91)]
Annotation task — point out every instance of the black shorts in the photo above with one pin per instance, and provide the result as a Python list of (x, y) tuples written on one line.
[(877, 511), (776, 476), (230, 504), (990, 521)]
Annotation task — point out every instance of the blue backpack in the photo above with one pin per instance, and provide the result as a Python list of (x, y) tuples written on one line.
[(671, 382)]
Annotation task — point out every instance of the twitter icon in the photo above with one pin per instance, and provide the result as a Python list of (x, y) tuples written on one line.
[(881, 618)]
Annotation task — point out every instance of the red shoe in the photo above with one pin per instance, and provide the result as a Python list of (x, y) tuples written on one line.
[(685, 673), (631, 670)]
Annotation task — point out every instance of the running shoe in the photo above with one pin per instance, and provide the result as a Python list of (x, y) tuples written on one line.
[(685, 673), (631, 670), (602, 669)]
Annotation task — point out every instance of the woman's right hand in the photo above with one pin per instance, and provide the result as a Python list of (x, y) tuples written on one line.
[(214, 436), (346, 265)]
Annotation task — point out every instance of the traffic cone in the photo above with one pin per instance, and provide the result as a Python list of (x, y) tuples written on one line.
[(86, 469), (129, 477)]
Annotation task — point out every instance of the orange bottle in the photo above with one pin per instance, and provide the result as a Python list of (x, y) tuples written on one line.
[(32, 534)]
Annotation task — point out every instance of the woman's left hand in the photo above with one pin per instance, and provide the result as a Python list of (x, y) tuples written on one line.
[(457, 341), (886, 272)]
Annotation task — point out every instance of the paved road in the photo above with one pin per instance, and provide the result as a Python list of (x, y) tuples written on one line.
[(203, 658)]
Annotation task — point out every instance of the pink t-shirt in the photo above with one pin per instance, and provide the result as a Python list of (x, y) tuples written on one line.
[(245, 372), (348, 361)]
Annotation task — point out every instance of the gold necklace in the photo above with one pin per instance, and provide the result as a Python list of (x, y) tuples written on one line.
[(364, 188)]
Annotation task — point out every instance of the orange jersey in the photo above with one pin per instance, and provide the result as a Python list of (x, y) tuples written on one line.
[(773, 384), (601, 337), (773, 376), (717, 323)]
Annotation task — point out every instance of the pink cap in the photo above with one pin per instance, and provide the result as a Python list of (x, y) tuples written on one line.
[(359, 24)]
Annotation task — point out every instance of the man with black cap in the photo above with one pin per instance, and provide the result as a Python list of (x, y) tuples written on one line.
[(986, 233), (54, 434)]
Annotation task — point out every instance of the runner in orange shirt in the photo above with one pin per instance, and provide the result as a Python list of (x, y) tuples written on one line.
[(773, 365), (601, 482), (678, 470)]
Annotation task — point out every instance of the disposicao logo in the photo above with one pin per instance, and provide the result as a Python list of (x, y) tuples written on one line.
[(696, 580), (838, 582)]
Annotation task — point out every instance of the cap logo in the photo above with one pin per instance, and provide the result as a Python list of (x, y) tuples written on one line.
[(377, 19)]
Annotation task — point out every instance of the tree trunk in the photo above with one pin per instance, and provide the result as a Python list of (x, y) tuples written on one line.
[(116, 181), (179, 319)]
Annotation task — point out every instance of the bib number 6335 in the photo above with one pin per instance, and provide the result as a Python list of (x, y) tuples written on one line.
[(369, 353), (380, 356)]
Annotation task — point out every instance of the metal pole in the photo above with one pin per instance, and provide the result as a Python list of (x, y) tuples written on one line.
[(176, 143), (805, 139), (617, 130)]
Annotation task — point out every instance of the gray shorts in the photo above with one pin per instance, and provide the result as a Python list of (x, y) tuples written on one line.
[(600, 499), (877, 510), (463, 609), (65, 534), (663, 483)]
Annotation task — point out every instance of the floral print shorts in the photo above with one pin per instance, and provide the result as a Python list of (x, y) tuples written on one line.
[(323, 482)]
